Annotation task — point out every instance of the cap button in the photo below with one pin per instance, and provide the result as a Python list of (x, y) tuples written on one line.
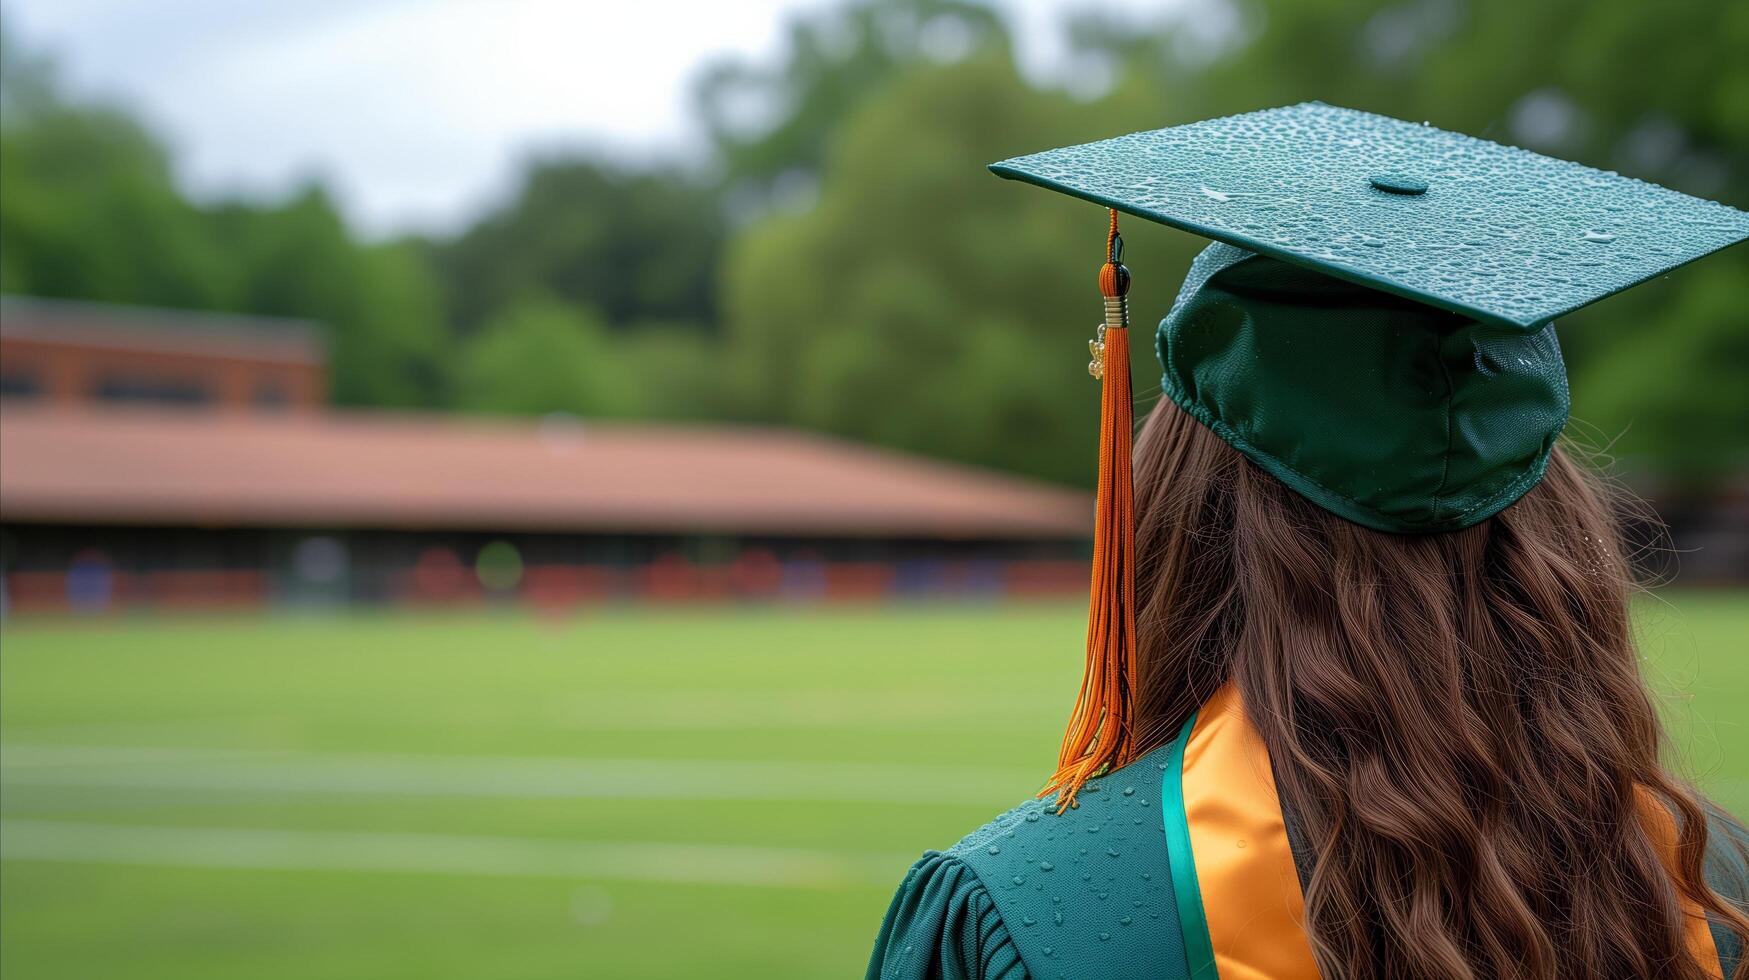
[(1398, 184)]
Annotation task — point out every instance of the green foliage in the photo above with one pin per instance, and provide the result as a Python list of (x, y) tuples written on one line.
[(380, 303), (771, 122), (679, 374), (908, 277), (87, 210), (633, 245), (543, 356), (1674, 391)]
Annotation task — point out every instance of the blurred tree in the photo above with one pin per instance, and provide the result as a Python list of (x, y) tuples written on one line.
[(771, 124), (679, 374), (87, 207), (541, 357), (1674, 393), (924, 305), (386, 334), (630, 244)]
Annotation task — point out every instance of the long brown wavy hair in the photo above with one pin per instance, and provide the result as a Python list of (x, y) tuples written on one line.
[(1458, 720)]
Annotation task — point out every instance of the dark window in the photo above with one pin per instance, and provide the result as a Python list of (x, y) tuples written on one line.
[(20, 384), (160, 391)]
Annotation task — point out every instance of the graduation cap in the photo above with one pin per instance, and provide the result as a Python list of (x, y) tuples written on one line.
[(1373, 324)]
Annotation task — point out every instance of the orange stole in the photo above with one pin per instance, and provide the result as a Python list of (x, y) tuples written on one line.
[(1245, 869), (1660, 826), (1250, 888)]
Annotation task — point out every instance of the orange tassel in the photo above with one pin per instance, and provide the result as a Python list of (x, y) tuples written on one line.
[(1100, 735)]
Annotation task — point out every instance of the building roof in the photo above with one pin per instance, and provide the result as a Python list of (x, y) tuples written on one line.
[(428, 471), (194, 332)]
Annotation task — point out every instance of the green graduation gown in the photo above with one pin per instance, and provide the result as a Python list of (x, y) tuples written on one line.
[(1117, 889)]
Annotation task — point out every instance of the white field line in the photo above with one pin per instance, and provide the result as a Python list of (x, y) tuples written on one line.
[(519, 857), (518, 777)]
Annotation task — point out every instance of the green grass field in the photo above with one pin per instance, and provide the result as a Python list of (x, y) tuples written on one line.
[(628, 793)]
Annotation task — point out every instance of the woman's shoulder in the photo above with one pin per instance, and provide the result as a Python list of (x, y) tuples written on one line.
[(1727, 855), (1727, 873), (1041, 893)]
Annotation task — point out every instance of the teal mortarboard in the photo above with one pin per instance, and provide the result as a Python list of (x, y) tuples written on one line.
[(1373, 325)]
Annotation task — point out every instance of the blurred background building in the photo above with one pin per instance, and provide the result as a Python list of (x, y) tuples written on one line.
[(162, 458), (62, 354)]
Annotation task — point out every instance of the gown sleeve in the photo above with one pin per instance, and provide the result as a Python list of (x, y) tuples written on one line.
[(943, 925)]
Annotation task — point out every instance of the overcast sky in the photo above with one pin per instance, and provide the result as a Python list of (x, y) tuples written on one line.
[(416, 111)]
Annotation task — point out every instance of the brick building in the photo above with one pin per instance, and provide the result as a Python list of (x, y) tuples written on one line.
[(153, 458), (67, 354)]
